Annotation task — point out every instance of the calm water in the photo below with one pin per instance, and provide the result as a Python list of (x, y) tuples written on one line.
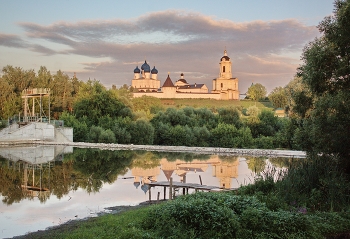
[(46, 186)]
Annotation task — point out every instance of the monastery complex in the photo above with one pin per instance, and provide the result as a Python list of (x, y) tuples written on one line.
[(225, 87)]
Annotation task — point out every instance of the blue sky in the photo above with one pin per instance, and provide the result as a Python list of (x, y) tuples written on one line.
[(106, 40)]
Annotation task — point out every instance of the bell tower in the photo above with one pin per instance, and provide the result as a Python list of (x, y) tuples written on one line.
[(225, 67)]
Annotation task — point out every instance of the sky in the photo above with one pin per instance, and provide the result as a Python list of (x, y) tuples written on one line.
[(106, 40)]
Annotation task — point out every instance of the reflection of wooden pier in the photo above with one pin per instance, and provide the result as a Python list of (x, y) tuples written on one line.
[(178, 185)]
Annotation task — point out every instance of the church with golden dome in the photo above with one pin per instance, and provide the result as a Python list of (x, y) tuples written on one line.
[(225, 87)]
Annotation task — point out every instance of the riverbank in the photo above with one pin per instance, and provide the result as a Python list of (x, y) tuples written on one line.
[(162, 148), (52, 232), (127, 221)]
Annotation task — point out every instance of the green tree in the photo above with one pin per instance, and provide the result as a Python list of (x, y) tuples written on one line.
[(182, 135), (257, 91), (94, 133), (162, 134), (268, 123), (278, 97), (253, 111), (106, 136), (230, 116), (202, 136), (142, 132), (80, 128), (326, 72), (224, 136), (121, 130), (94, 102)]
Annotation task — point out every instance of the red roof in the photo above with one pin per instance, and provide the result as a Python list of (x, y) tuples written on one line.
[(168, 82)]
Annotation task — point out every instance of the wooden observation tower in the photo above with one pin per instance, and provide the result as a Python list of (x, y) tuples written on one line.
[(36, 94)]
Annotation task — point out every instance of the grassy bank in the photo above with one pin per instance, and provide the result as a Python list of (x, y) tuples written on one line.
[(213, 104), (206, 215)]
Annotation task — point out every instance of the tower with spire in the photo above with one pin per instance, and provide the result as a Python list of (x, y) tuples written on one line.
[(225, 84)]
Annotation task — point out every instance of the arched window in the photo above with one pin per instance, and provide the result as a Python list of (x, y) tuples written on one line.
[(222, 85), (223, 69)]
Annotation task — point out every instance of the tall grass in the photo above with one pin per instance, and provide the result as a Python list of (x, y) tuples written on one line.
[(316, 183)]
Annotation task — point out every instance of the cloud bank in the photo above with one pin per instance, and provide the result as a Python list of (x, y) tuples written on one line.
[(174, 41)]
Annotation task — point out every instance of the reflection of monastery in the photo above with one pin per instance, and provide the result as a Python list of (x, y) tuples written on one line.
[(225, 87), (224, 171)]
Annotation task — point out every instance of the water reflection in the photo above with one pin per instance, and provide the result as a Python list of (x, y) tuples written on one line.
[(66, 182)]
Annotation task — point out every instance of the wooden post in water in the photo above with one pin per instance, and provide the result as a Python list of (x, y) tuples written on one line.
[(164, 192), (184, 181), (200, 179), (171, 189), (158, 197), (149, 194)]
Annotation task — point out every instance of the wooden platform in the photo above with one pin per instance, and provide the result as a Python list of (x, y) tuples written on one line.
[(185, 187)]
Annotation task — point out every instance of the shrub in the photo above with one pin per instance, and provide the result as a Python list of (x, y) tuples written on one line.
[(106, 136), (196, 215), (317, 183)]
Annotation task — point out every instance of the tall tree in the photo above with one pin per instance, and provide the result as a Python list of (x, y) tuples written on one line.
[(326, 71), (95, 102), (257, 91), (278, 97)]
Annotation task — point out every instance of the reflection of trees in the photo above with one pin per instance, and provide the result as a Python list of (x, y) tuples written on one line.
[(256, 164), (10, 183), (145, 160), (55, 176), (85, 168), (94, 167), (188, 157), (282, 162), (228, 158)]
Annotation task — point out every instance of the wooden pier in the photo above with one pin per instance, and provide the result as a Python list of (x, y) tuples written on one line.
[(178, 185)]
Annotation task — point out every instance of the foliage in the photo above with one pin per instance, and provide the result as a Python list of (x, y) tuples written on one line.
[(224, 135), (96, 102), (121, 130), (100, 166), (326, 72), (257, 92), (278, 97), (145, 103), (230, 116), (253, 111), (80, 128), (14, 80), (106, 136), (200, 215), (142, 132), (316, 183), (223, 215), (256, 164)]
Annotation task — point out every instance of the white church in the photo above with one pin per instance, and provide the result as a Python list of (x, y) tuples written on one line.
[(225, 87)]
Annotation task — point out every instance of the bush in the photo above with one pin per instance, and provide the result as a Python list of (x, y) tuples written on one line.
[(106, 136), (264, 142), (224, 215), (194, 216), (317, 183)]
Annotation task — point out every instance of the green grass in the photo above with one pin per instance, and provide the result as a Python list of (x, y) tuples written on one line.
[(206, 215), (123, 225), (213, 104)]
